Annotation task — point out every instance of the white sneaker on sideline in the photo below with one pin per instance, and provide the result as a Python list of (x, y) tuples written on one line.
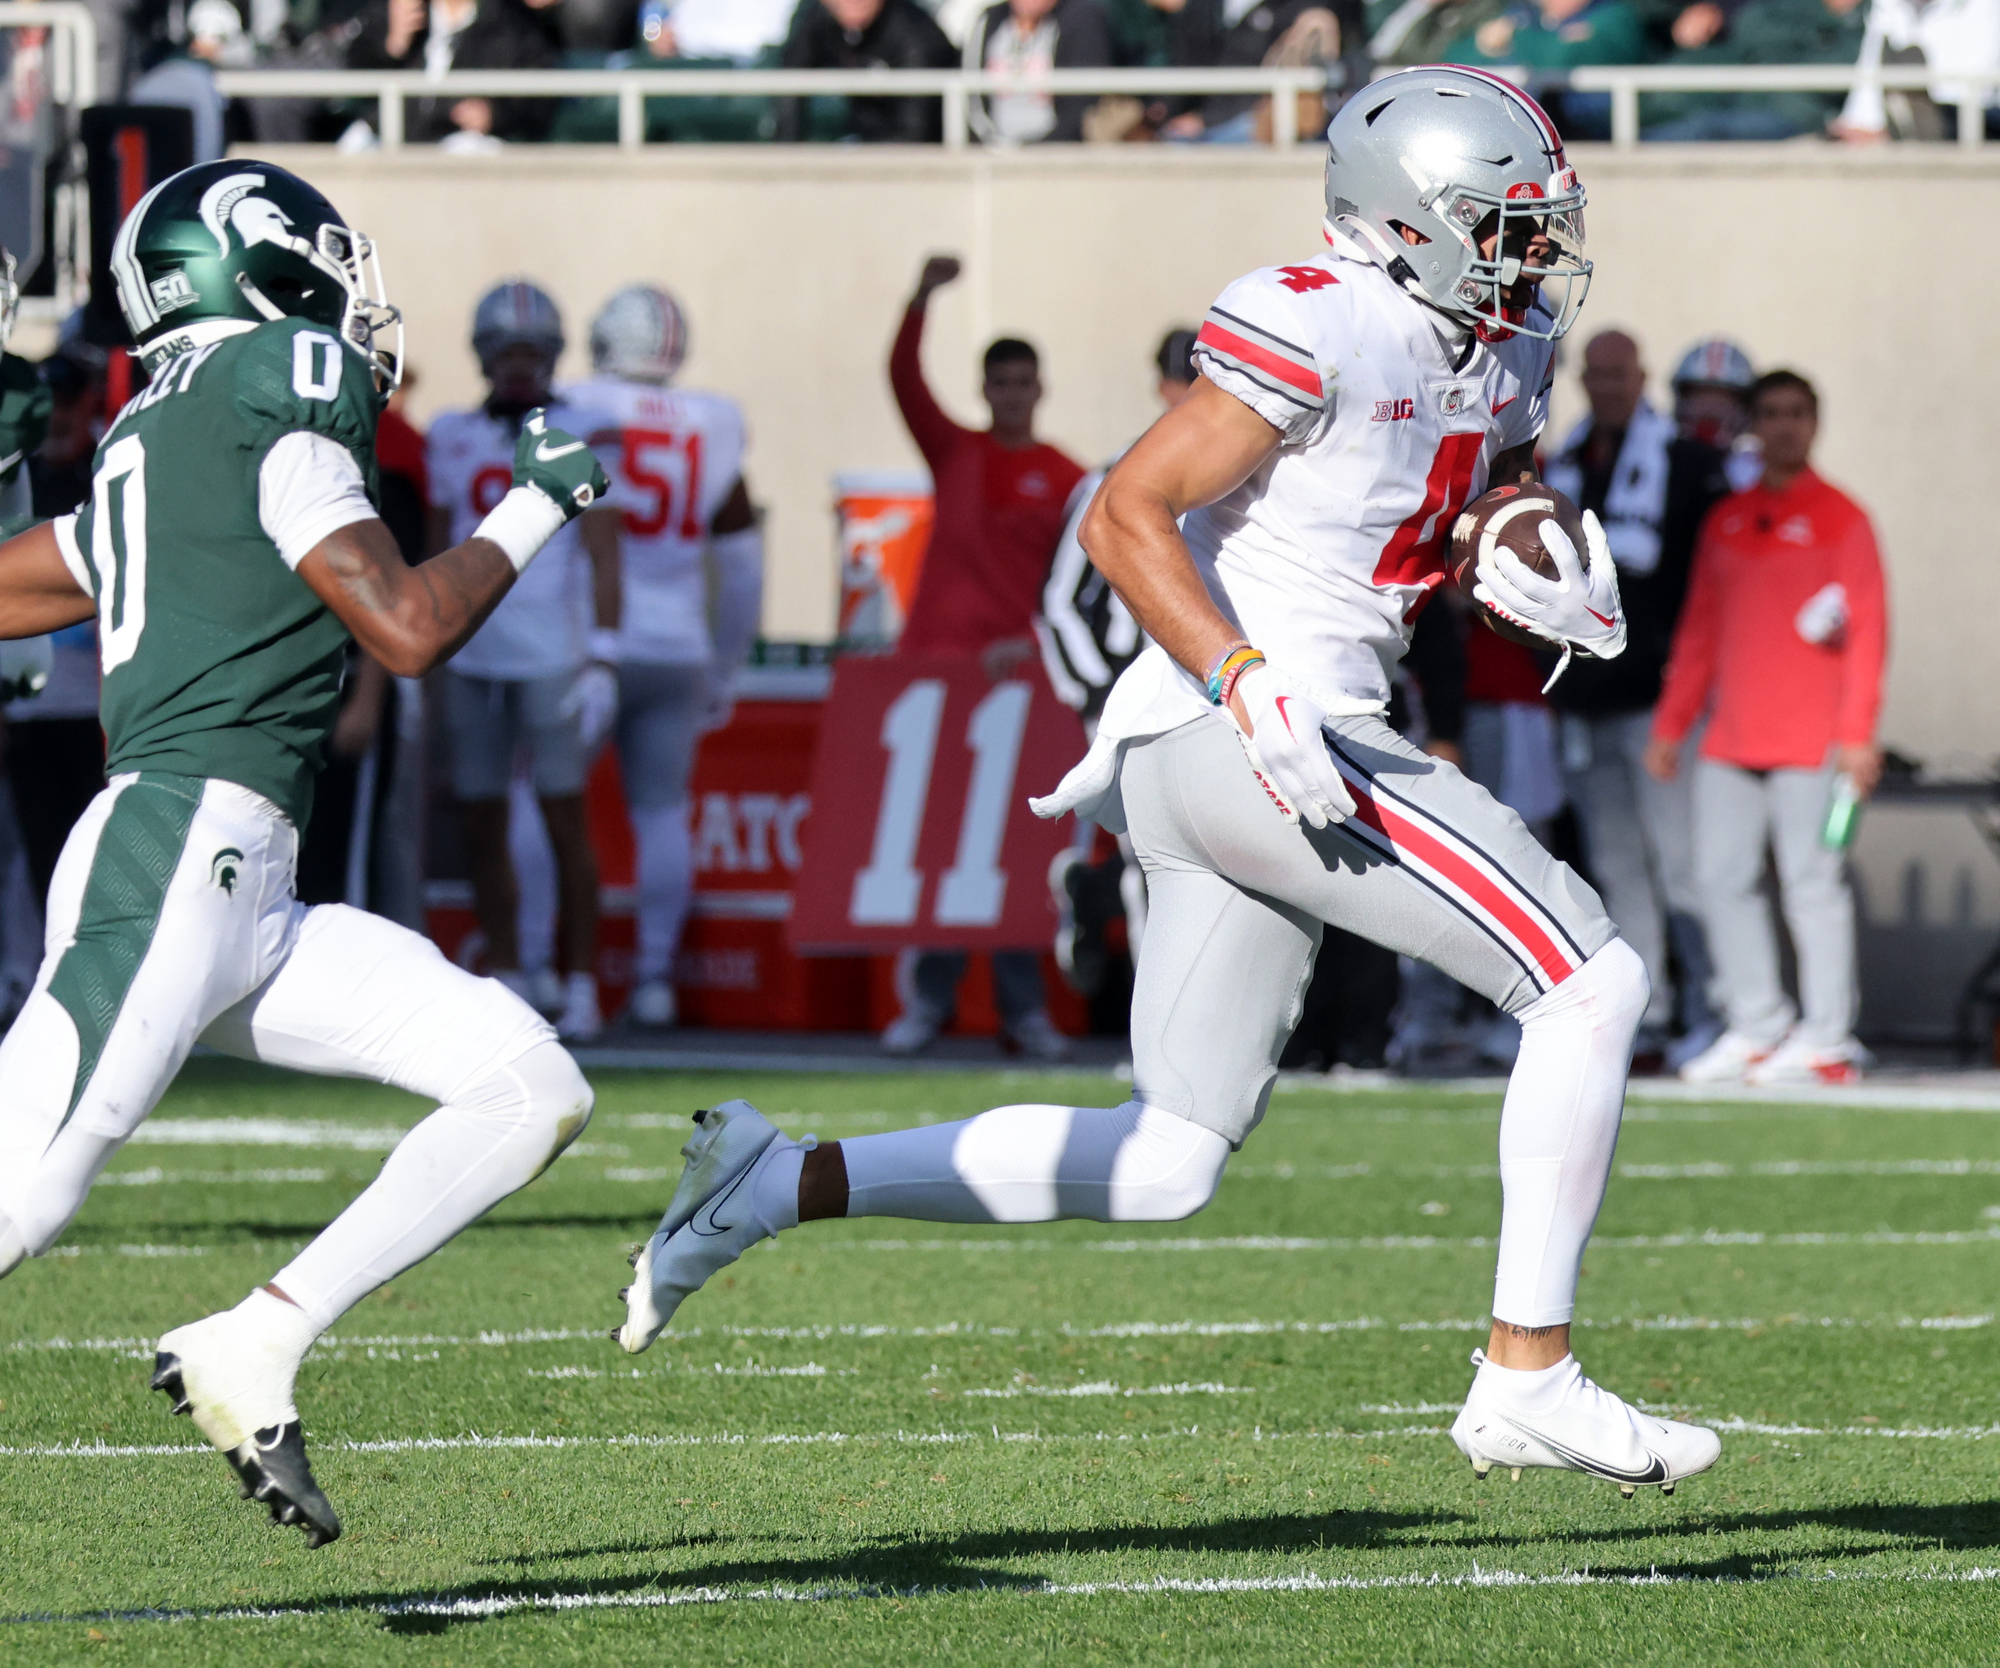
[(1798, 1062), (1560, 1420), (1036, 1036), (1726, 1060), (1695, 1043), (545, 992), (911, 1031), (581, 1019), (692, 1242), (654, 1005)]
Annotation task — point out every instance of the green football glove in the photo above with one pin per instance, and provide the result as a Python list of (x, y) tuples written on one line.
[(559, 466)]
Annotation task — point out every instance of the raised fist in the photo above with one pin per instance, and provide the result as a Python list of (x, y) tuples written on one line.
[(558, 465)]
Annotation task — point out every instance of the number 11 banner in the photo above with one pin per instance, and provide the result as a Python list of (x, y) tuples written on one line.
[(920, 832)]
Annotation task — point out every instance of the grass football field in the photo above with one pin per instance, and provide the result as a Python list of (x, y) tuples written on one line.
[(1219, 1441)]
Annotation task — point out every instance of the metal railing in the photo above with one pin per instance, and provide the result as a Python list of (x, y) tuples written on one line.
[(73, 64), (72, 73), (1626, 82), (393, 89)]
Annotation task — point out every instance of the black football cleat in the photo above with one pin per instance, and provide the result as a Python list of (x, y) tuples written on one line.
[(271, 1467)]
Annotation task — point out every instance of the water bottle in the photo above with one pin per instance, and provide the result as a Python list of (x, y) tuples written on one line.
[(1843, 814)]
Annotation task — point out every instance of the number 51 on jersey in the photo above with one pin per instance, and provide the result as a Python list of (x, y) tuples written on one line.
[(920, 832)]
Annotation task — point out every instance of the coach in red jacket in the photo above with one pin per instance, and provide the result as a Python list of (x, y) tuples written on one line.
[(1000, 497), (1781, 644)]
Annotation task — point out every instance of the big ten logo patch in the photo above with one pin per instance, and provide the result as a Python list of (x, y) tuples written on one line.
[(748, 833), (1394, 411)]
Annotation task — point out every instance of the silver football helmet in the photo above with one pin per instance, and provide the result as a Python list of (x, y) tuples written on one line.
[(515, 314), (1715, 362), (1450, 156), (641, 334)]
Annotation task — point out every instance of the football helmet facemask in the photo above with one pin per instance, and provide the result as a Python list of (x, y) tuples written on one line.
[(234, 242), (10, 295), (1457, 155)]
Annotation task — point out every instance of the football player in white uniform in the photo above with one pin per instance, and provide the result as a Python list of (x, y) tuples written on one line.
[(535, 673), (680, 526), (1273, 535)]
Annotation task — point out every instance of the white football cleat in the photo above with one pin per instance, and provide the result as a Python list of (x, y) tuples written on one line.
[(1726, 1060), (1562, 1421), (237, 1383), (709, 1224), (1795, 1061)]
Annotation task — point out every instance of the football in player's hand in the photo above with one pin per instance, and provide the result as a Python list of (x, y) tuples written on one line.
[(1510, 518)]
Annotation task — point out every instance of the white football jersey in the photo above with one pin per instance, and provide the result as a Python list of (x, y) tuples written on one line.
[(541, 627), (673, 455), (1324, 555)]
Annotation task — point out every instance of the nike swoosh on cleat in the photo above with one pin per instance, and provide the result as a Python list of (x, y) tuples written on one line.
[(1654, 1473), (708, 1210), (544, 455)]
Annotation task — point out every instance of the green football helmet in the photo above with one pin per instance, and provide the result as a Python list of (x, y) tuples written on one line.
[(235, 242)]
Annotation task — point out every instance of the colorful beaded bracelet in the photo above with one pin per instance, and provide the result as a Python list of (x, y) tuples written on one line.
[(1230, 665)]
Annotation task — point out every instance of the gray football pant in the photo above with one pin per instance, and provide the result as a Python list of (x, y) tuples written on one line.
[(1736, 814), (1432, 867), (1638, 834)]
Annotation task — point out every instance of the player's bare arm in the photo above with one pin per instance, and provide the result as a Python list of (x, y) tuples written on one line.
[(411, 619), (38, 593), (1202, 450)]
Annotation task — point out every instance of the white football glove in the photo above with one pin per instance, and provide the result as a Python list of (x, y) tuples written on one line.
[(25, 665), (1288, 752), (1578, 609), (718, 704), (593, 701)]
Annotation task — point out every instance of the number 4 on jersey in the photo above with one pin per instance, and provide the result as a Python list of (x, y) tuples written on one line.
[(1300, 279)]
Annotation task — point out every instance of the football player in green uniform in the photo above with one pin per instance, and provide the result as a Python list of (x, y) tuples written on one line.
[(25, 405), (230, 546)]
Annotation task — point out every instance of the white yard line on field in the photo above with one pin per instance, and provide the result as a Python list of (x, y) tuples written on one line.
[(481, 1607), (156, 1177), (1710, 1171), (1116, 1329), (1411, 1242), (948, 1438)]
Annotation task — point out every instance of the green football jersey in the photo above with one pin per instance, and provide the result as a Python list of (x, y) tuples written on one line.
[(25, 406), (218, 659)]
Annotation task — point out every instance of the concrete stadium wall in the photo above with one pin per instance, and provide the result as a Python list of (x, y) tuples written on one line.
[(1872, 273)]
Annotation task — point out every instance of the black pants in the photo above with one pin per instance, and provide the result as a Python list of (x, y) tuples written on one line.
[(56, 766)]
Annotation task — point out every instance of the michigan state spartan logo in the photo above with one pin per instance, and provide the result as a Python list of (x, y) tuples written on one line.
[(222, 869)]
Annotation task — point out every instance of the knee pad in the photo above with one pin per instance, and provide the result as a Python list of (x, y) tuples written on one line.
[(1609, 992), (542, 1092), (1166, 1167)]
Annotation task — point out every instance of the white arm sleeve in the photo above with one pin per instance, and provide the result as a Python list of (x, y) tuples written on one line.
[(72, 553), (307, 487), (736, 601)]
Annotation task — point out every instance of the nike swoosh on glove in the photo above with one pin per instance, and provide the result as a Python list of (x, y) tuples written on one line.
[(558, 465), (1577, 610), (1288, 752)]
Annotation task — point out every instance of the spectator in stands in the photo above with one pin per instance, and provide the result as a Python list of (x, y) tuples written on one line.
[(1957, 39), (1032, 37), (1781, 643), (1235, 34), (1000, 496), (460, 34), (1651, 488), (1420, 31), (186, 76), (1759, 32), (1559, 35), (741, 31), (868, 34)]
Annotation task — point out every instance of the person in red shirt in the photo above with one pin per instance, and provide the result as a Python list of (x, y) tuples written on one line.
[(1000, 495), (1781, 644)]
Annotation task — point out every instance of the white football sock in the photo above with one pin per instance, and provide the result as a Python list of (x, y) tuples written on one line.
[(666, 886), (1559, 1128), (497, 1134), (1129, 1163)]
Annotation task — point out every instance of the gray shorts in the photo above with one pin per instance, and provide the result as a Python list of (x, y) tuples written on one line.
[(659, 714), (1432, 867), (490, 719)]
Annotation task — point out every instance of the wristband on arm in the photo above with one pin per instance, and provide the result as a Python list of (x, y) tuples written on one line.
[(1228, 666), (521, 523)]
